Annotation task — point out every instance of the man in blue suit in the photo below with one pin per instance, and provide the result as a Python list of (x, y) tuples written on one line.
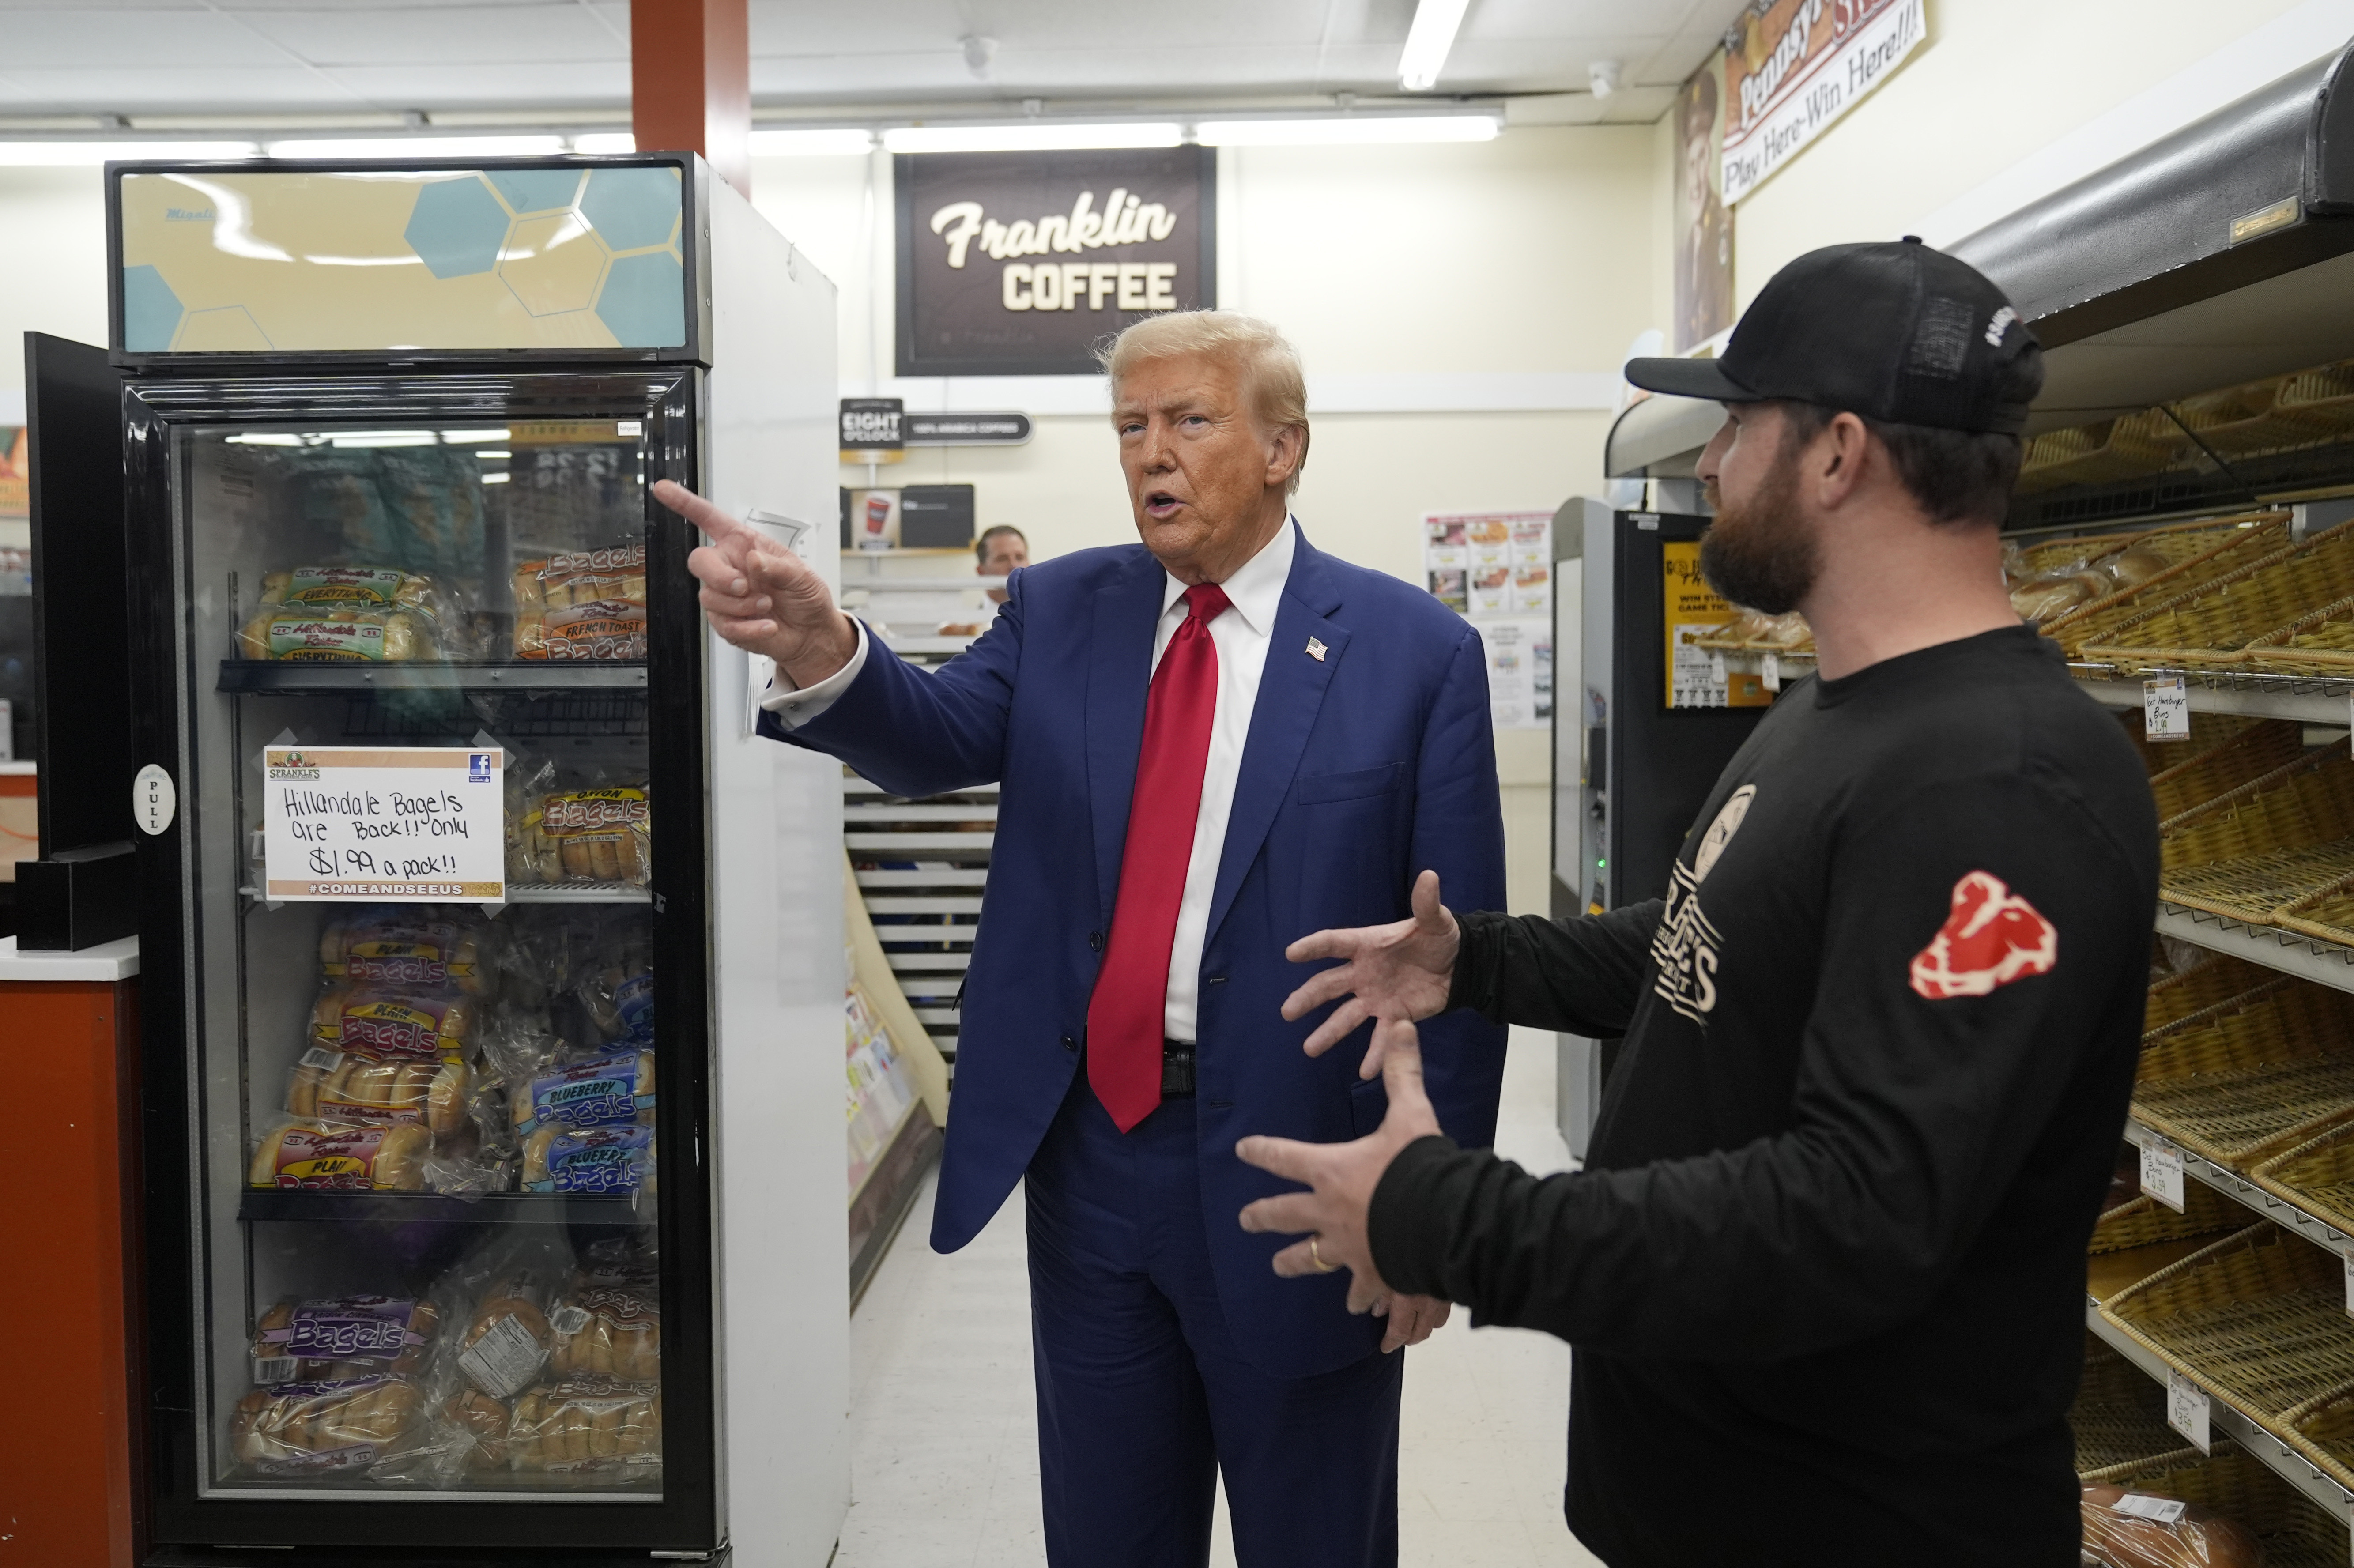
[(1207, 746)]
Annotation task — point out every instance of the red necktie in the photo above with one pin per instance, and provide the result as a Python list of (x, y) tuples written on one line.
[(1124, 1015)]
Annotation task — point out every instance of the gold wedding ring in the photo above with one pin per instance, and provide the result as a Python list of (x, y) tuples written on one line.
[(1318, 1258)]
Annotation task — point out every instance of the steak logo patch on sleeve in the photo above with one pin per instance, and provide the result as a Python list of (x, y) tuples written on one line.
[(1991, 938)]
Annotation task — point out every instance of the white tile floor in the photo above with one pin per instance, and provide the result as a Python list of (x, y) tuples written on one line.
[(943, 1433)]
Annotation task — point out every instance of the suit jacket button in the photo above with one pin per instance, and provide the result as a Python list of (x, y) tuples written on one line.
[(1069, 1044), (1095, 940)]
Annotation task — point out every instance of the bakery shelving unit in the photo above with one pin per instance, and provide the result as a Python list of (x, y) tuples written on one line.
[(920, 864), (2198, 372)]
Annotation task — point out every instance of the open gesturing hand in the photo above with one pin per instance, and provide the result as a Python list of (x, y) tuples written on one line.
[(1341, 1179), (1392, 974), (760, 597)]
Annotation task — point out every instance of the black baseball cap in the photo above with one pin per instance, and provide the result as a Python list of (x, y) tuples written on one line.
[(1894, 332)]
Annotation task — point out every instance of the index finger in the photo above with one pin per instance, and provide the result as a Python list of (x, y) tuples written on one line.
[(721, 527), (1287, 1158), (1335, 943)]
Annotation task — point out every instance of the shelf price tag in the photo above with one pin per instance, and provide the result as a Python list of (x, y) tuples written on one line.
[(2349, 1285), (2188, 1410), (2161, 1175), (2165, 709), (410, 824)]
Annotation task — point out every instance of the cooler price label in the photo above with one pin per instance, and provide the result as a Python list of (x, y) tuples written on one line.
[(2165, 709), (344, 823), (2161, 1175), (2187, 1410)]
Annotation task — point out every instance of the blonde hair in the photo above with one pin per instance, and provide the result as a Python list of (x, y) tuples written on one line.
[(1273, 380)]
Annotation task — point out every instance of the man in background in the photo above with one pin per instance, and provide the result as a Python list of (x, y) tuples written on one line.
[(1002, 551), (1208, 744), (1825, 1267)]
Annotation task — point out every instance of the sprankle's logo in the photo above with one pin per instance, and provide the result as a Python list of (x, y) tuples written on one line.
[(1991, 938)]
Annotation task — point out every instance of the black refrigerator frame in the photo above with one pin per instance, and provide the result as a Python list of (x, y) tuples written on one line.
[(184, 1527)]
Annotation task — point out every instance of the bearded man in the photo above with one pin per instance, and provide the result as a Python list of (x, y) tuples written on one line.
[(1824, 1268)]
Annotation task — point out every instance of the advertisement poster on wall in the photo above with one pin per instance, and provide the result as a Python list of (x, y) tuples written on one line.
[(1703, 222), (1792, 68), (1019, 263), (1496, 568)]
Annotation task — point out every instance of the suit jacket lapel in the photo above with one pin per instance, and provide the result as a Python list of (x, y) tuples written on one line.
[(1290, 690), (1120, 672)]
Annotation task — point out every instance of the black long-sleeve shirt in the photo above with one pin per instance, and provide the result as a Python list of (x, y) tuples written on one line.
[(1824, 1268)]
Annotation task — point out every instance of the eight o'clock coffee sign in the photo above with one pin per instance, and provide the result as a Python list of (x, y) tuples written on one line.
[(1018, 264)]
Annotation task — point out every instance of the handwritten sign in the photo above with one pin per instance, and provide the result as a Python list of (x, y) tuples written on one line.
[(421, 822)]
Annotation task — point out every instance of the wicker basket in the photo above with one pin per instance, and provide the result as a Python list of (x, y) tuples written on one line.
[(2235, 751), (2208, 626), (2322, 1429), (2144, 1221), (2317, 1175), (2326, 912), (2124, 448), (2243, 420), (2303, 804), (2324, 395), (2296, 1531), (2119, 1415), (2197, 553), (2259, 1319), (2214, 978), (2251, 1077)]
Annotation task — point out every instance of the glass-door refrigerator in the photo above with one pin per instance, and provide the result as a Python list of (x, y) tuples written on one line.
[(467, 897)]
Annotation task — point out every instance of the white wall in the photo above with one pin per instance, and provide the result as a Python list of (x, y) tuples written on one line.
[(52, 266), (2002, 82), (1429, 268)]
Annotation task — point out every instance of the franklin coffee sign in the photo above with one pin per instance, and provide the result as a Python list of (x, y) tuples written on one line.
[(1020, 263)]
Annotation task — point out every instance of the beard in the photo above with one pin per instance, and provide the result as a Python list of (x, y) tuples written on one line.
[(1761, 554)]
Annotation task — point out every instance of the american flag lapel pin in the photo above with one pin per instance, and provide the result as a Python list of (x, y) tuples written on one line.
[(1316, 649)]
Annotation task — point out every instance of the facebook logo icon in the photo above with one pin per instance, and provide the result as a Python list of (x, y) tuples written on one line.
[(478, 768)]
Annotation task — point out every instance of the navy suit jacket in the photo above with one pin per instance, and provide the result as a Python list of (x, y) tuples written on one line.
[(1361, 769)]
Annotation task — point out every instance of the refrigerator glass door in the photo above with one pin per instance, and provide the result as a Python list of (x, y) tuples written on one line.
[(426, 1069)]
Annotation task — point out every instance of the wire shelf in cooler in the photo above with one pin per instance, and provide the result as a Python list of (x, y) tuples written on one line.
[(267, 675), (269, 1204)]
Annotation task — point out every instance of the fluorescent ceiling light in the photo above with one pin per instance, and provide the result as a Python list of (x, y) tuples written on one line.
[(496, 478), (1030, 137), (827, 142), (604, 142), (468, 438), (58, 154), (382, 438), (264, 439), (1343, 132), (1428, 41), (419, 147)]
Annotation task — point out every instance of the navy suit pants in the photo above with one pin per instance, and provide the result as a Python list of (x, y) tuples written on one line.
[(1144, 1397)]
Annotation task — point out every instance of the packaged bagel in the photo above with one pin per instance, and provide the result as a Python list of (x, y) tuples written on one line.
[(589, 1428), (506, 1343), (322, 1427), (341, 1337), (602, 835), (485, 1420), (391, 1023), (606, 1333), (351, 587), (605, 1091), (341, 635), (620, 995), (588, 605), (2146, 1529), (313, 1156), (358, 1088), (557, 1158), (409, 948)]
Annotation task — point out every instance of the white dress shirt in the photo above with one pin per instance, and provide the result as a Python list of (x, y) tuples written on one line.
[(1241, 636)]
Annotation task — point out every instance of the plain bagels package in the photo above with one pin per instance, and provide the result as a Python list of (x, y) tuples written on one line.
[(2126, 1529)]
